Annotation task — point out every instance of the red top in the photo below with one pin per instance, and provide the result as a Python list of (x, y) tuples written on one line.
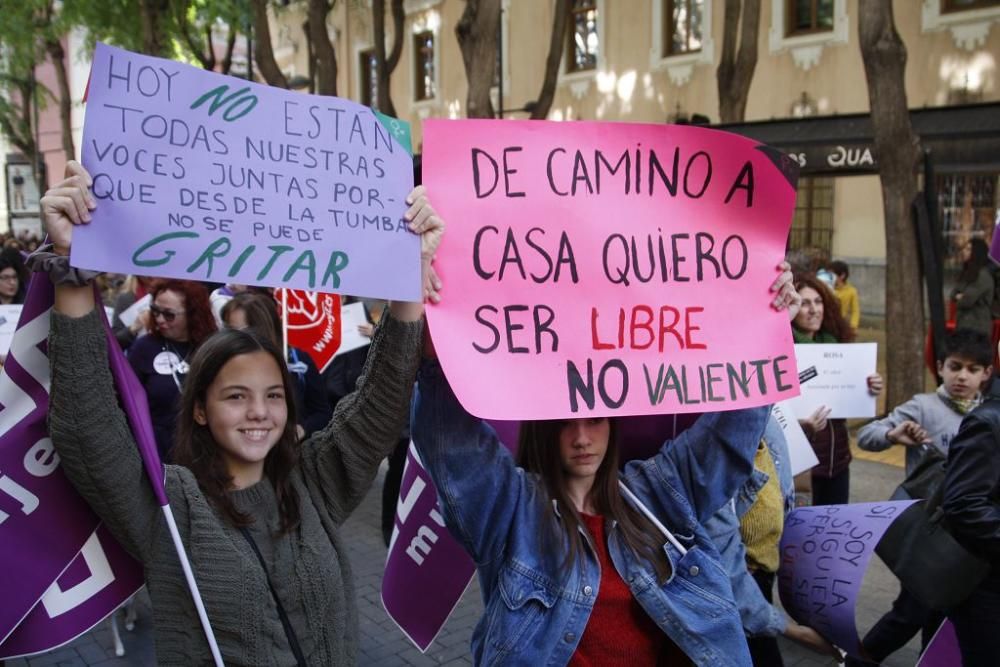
[(619, 631)]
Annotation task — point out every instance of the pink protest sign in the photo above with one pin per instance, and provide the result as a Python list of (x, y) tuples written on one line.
[(209, 177), (608, 268)]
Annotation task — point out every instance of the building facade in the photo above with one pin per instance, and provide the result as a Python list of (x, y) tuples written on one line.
[(655, 61)]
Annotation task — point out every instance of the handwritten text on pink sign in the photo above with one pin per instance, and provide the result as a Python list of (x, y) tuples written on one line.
[(608, 268)]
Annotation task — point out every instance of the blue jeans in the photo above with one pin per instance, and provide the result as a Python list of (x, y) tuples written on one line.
[(977, 625)]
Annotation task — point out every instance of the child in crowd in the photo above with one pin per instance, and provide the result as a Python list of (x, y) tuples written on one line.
[(846, 293), (926, 421), (932, 419)]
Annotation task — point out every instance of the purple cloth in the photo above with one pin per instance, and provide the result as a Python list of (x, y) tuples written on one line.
[(943, 650), (45, 524)]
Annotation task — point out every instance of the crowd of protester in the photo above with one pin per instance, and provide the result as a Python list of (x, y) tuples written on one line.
[(269, 456)]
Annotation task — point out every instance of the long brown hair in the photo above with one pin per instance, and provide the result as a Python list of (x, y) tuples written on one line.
[(538, 452), (196, 449), (833, 322)]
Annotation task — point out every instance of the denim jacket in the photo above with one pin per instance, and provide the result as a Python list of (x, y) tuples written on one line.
[(760, 618), (536, 610)]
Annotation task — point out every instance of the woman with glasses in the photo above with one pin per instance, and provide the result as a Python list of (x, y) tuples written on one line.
[(180, 318)]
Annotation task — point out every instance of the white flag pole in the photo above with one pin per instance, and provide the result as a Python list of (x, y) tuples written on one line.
[(193, 586), (284, 322)]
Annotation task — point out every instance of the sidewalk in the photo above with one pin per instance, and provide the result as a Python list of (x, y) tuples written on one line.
[(381, 642)]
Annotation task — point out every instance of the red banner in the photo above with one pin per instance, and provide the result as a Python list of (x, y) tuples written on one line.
[(313, 321)]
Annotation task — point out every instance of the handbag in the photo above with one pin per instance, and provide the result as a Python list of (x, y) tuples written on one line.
[(924, 479), (922, 554)]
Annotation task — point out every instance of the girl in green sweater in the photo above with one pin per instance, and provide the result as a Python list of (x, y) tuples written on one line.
[(259, 512)]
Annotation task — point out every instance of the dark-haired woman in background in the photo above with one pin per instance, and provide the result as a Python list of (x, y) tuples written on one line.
[(973, 291)]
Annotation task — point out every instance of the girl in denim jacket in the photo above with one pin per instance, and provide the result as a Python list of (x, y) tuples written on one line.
[(582, 564)]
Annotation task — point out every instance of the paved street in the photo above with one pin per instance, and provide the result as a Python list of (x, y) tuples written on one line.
[(383, 644)]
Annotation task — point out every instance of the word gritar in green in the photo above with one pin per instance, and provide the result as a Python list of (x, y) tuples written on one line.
[(211, 264)]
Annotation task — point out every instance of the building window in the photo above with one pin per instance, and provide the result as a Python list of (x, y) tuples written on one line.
[(963, 5), (682, 24), (584, 41), (968, 208), (808, 16), (812, 226), (368, 66), (424, 74)]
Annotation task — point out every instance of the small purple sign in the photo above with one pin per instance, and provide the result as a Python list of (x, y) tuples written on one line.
[(825, 552), (209, 177), (427, 570)]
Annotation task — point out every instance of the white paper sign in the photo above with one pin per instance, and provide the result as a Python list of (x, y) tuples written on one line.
[(799, 450), (132, 313), (8, 322), (836, 376), (351, 316)]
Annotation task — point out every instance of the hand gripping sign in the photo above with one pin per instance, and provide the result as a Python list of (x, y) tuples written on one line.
[(608, 268), (209, 177)]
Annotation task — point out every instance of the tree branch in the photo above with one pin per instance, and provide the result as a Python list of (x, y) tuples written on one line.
[(263, 53), (557, 44)]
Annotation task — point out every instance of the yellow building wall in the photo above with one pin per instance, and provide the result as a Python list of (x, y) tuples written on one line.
[(631, 84)]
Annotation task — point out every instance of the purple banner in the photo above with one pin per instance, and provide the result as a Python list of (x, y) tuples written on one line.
[(99, 580), (943, 650), (427, 570), (209, 177), (47, 532), (825, 552)]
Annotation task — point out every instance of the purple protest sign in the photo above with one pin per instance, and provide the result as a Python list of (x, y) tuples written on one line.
[(825, 552), (208, 177), (427, 570), (943, 650), (101, 578)]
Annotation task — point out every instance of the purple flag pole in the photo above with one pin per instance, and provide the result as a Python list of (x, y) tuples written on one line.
[(133, 398)]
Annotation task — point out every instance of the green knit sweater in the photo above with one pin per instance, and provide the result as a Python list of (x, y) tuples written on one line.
[(309, 567)]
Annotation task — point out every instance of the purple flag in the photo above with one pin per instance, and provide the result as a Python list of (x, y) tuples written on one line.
[(943, 650), (59, 576), (825, 552), (427, 570)]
